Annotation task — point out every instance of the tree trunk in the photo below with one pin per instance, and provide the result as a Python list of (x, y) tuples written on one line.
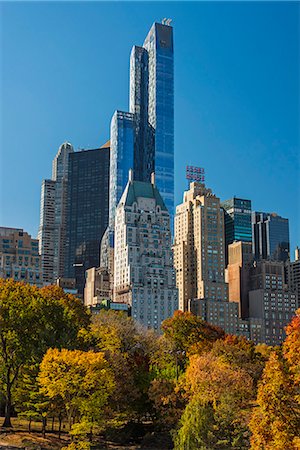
[(7, 421), (53, 419), (29, 425), (44, 427), (59, 426)]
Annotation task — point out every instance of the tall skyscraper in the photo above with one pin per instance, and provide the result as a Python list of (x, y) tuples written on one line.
[(52, 229), (199, 247), (144, 275), (237, 217), (159, 45), (143, 139), (87, 212), (270, 236), (46, 230), (122, 137)]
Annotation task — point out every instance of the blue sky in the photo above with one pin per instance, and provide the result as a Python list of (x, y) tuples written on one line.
[(65, 69)]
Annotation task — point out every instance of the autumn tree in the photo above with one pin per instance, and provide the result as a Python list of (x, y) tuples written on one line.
[(128, 348), (241, 354), (189, 333), (32, 320), (219, 398), (82, 381), (275, 421)]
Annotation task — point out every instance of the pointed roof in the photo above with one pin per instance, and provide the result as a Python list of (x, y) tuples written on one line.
[(136, 189)]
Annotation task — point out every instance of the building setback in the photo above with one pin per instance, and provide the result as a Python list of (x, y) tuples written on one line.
[(87, 211), (144, 276), (199, 247), (270, 236), (19, 256)]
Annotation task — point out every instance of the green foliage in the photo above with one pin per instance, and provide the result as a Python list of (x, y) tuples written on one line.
[(32, 320)]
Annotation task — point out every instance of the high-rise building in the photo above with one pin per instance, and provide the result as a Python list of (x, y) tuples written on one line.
[(144, 276), (240, 258), (271, 304), (270, 236), (52, 229), (60, 169), (87, 212), (143, 139), (19, 256), (122, 131), (159, 45), (199, 247), (237, 217), (46, 230)]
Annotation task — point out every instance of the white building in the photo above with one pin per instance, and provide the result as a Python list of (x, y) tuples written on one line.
[(144, 276)]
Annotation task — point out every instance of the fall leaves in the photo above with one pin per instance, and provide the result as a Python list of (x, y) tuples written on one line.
[(207, 389)]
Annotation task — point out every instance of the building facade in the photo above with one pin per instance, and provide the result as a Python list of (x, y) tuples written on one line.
[(199, 247), (271, 304), (270, 236), (293, 274), (52, 228), (240, 259), (87, 212), (97, 286), (19, 256), (144, 276)]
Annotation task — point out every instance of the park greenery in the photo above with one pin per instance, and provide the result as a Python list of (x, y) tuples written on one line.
[(105, 376)]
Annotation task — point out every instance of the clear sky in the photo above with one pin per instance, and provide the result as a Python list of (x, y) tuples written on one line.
[(65, 69)]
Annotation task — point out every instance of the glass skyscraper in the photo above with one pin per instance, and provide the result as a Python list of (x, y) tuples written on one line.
[(270, 236), (87, 213), (121, 157), (159, 45), (143, 139), (237, 220)]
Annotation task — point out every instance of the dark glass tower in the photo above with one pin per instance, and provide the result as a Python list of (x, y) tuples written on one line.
[(270, 236), (87, 214)]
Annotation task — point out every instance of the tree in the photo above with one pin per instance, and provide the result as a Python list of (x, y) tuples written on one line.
[(291, 349), (32, 320), (197, 427), (81, 380), (190, 334), (275, 421), (216, 416), (128, 348), (241, 354)]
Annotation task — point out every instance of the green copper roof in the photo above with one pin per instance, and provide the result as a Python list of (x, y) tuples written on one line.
[(137, 189)]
